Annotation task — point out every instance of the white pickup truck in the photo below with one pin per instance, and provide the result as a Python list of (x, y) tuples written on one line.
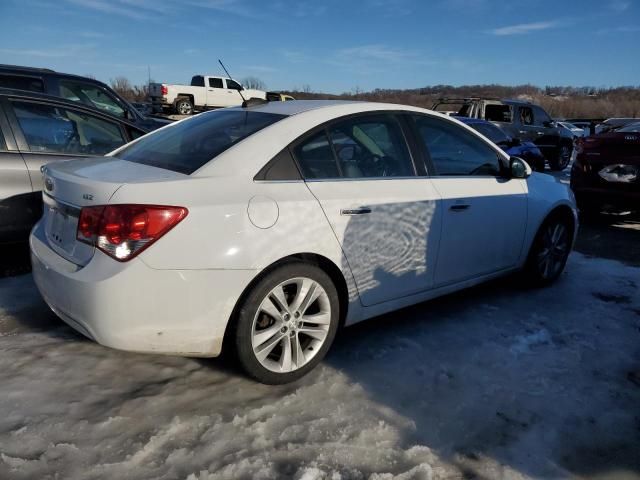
[(205, 92)]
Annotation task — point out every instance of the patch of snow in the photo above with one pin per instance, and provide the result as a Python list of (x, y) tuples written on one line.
[(493, 382)]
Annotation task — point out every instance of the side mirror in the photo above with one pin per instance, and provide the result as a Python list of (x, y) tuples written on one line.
[(548, 124), (518, 168), (516, 142)]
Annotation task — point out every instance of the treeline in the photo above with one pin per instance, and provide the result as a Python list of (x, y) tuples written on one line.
[(560, 102)]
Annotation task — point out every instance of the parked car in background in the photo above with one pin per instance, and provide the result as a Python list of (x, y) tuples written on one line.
[(278, 97), (528, 151), (575, 130), (523, 120), (614, 123), (240, 225), (204, 93), (606, 172), (37, 129), (88, 91)]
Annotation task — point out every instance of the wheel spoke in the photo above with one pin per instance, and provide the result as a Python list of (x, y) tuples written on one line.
[(266, 348), (285, 359), (262, 336), (267, 306), (308, 292), (280, 299), (299, 359), (322, 318), (314, 332)]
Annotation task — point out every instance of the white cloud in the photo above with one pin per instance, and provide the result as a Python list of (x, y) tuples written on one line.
[(523, 28)]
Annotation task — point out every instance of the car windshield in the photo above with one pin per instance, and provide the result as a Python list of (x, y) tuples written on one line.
[(633, 128), (190, 144)]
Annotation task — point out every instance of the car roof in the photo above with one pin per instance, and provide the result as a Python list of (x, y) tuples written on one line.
[(15, 93), (294, 107), (46, 71), (469, 120)]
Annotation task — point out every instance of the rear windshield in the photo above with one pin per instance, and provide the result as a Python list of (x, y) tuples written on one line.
[(188, 145)]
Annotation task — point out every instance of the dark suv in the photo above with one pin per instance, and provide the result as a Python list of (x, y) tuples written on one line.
[(523, 120), (88, 91)]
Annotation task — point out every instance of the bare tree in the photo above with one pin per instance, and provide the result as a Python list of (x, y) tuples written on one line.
[(123, 87), (254, 83)]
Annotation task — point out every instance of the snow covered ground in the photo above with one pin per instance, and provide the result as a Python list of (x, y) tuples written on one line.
[(494, 382)]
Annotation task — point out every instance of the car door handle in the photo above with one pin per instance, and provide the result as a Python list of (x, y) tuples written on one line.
[(355, 211), (522, 131), (540, 133), (459, 207)]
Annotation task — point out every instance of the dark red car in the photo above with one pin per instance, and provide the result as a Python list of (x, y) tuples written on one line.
[(606, 172)]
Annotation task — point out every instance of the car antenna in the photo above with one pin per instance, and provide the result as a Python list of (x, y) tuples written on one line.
[(229, 75), (246, 103)]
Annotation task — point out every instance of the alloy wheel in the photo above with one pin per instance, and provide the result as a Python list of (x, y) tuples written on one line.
[(554, 250), (291, 325)]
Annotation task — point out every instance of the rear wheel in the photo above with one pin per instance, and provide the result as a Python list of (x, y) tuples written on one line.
[(563, 158), (184, 106), (287, 323), (550, 251)]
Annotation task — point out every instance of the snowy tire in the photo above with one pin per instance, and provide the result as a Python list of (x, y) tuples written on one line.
[(286, 323), (549, 251)]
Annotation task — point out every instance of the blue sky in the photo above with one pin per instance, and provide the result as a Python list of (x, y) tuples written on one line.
[(333, 45)]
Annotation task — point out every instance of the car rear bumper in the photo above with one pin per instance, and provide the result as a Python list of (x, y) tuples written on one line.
[(130, 306)]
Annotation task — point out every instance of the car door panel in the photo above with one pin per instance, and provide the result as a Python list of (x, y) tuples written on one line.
[(484, 220), (389, 231), (483, 214), (385, 217)]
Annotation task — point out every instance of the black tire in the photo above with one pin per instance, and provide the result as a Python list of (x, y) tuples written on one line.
[(562, 158), (183, 106), (535, 273), (588, 209), (248, 313)]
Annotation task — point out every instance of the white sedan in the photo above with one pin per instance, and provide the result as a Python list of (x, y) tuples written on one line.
[(263, 229)]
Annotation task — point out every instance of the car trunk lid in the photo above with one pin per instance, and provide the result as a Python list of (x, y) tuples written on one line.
[(73, 184)]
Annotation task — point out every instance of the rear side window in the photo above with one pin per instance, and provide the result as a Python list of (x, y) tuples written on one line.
[(490, 131), (455, 151), (357, 148), (188, 145), (497, 113), (22, 82), (215, 83), (52, 129)]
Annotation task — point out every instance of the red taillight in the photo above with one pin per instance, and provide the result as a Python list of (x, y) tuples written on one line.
[(164, 90), (123, 231)]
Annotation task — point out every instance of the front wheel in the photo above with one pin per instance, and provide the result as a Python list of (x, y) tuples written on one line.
[(286, 323), (563, 158), (550, 251)]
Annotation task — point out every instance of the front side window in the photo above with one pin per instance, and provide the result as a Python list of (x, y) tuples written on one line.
[(186, 146), (233, 85), (91, 95), (541, 118), (526, 116), (52, 129), (215, 82), (455, 151)]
